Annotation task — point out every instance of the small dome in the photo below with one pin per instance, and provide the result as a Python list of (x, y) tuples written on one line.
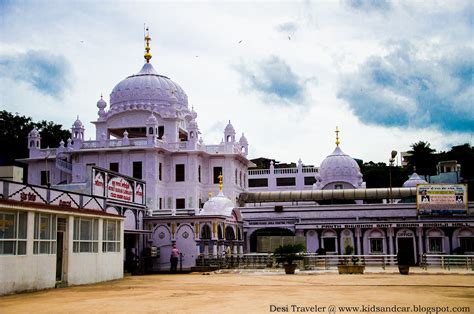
[(101, 104), (229, 129), (77, 124), (34, 132), (147, 87), (193, 124), (193, 114), (413, 180), (243, 140), (218, 205), (339, 167)]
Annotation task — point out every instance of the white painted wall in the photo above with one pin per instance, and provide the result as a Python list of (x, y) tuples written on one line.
[(38, 271), (27, 272)]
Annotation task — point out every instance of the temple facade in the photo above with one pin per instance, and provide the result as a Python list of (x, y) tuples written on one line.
[(204, 198)]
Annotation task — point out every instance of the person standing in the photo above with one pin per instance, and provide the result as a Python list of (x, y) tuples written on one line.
[(174, 258)]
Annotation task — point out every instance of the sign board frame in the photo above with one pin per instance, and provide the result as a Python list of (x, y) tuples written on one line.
[(441, 199), (117, 187)]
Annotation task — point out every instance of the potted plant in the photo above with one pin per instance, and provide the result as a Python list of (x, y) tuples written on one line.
[(404, 259), (351, 266), (289, 253)]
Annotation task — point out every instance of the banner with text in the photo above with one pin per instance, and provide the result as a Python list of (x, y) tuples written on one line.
[(117, 187), (441, 199)]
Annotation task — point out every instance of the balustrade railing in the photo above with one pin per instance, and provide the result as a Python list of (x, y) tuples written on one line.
[(285, 170), (258, 172)]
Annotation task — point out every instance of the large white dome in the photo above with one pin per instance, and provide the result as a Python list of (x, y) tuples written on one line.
[(149, 90), (340, 167), (218, 205)]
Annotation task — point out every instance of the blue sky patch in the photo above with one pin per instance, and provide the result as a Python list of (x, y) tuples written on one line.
[(47, 73), (414, 92)]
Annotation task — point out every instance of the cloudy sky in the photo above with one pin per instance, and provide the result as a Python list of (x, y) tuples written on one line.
[(388, 73)]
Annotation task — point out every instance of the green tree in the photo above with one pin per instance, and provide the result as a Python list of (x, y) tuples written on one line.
[(377, 175), (14, 131), (422, 158)]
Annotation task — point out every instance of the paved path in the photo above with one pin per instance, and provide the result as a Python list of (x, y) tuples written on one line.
[(257, 292)]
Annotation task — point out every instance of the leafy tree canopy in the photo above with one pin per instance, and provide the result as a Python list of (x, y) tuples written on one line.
[(14, 131), (422, 158)]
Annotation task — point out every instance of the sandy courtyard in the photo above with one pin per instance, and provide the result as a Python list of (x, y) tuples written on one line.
[(257, 293)]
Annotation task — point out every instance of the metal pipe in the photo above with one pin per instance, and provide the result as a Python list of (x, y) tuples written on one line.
[(319, 195)]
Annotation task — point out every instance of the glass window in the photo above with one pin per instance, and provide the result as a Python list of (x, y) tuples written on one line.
[(309, 180), (114, 166), (85, 237), (376, 245), (45, 234), (467, 244), (111, 236), (180, 173), (435, 245), (137, 169), (258, 182), (159, 170), (286, 181), (161, 131), (180, 203), (13, 227)]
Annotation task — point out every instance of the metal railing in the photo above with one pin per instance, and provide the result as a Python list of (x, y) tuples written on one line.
[(312, 261), (447, 261)]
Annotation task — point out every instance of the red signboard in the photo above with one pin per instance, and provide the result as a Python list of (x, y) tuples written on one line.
[(117, 187)]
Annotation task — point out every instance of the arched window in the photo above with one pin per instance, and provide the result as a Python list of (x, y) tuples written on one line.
[(32, 143), (206, 232), (229, 138), (229, 233), (150, 130)]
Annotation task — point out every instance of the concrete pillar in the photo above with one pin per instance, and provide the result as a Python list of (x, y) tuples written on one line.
[(214, 249), (419, 232), (198, 247), (241, 249), (206, 250), (359, 246), (234, 248), (222, 249), (390, 241)]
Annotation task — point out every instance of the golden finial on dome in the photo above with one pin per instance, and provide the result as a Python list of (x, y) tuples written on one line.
[(220, 182), (337, 136), (147, 46)]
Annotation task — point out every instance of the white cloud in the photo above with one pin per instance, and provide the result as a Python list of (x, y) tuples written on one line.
[(330, 41)]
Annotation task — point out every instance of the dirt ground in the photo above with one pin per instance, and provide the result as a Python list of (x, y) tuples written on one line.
[(257, 292)]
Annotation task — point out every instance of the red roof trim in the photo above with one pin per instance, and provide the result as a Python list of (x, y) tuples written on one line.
[(57, 208)]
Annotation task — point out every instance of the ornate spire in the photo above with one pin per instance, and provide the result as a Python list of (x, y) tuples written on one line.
[(147, 46), (220, 182), (337, 136)]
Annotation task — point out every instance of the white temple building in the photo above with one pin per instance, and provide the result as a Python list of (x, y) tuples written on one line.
[(148, 138)]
